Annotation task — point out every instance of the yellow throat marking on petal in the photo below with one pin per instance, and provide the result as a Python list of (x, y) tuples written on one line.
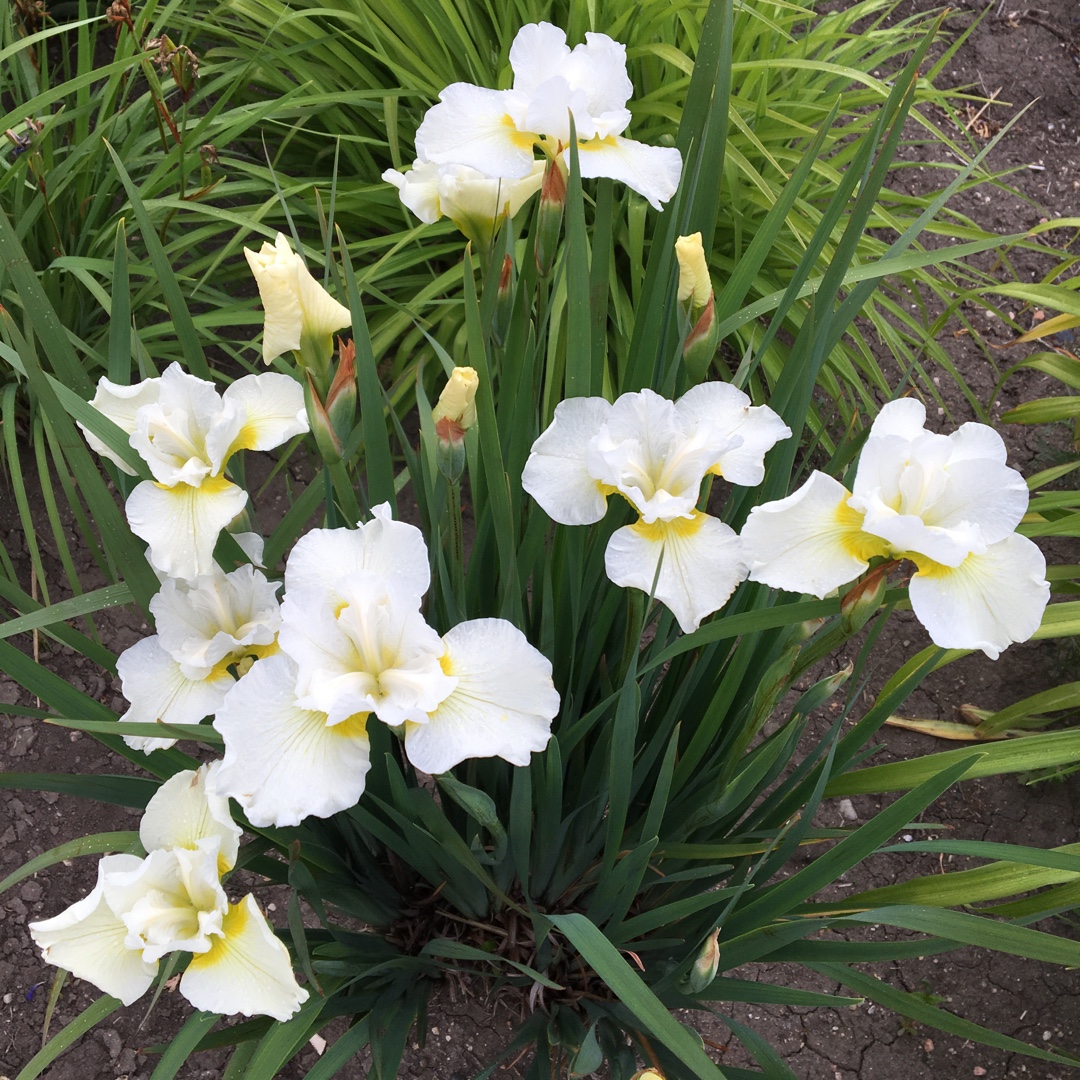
[(233, 925), (928, 567), (523, 140), (852, 538), (659, 531), (597, 143), (352, 727)]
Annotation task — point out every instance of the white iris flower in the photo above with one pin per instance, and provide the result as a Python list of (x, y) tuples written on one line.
[(172, 900), (948, 503), (655, 454), (496, 131), (186, 432), (354, 646), (205, 627)]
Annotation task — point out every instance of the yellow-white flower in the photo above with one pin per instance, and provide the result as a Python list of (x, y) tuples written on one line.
[(181, 673), (172, 901), (298, 309), (355, 648), (655, 453), (186, 432), (949, 504), (472, 201), (496, 131)]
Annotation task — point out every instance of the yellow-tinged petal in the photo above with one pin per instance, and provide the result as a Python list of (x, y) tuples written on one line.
[(274, 405), (247, 969), (296, 305), (987, 602), (695, 284), (502, 705), (88, 939), (700, 560), (283, 763), (182, 523), (810, 542), (457, 401), (187, 809)]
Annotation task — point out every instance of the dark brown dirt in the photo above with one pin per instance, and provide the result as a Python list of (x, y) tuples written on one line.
[(1031, 56)]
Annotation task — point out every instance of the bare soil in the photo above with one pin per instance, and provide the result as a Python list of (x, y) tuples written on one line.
[(1020, 55)]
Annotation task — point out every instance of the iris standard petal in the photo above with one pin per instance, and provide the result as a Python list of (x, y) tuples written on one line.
[(751, 430), (502, 705), (182, 524), (556, 474), (393, 549), (539, 50), (651, 171), (88, 939), (274, 410), (187, 808), (702, 564), (987, 602), (810, 542), (247, 970), (283, 763), (216, 617), (904, 417)]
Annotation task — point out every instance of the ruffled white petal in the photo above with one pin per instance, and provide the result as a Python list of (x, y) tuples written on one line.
[(371, 651), (556, 474), (173, 901), (283, 763), (904, 418), (160, 692), (88, 939), (182, 524), (502, 705), (274, 407), (121, 405), (391, 549), (644, 452), (651, 171), (539, 50), (246, 971), (475, 126), (215, 617), (702, 564), (810, 542), (988, 601), (720, 407), (188, 808)]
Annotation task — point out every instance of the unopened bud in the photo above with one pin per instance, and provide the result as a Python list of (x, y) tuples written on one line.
[(550, 214), (457, 401), (699, 348), (695, 284), (705, 966), (326, 438), (648, 1074), (341, 397), (450, 449), (863, 599), (504, 301)]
